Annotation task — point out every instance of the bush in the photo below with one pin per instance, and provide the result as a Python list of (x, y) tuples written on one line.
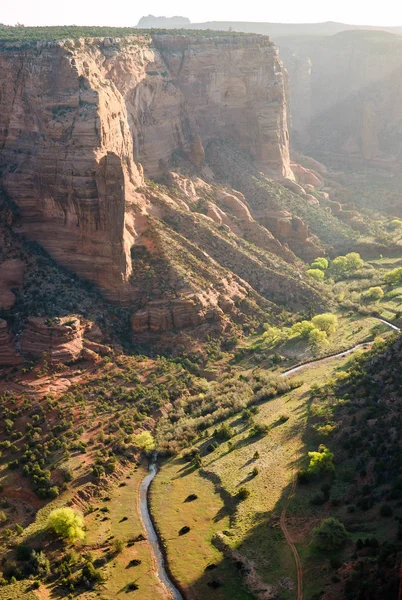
[(118, 546), (243, 494), (325, 322), (393, 277), (316, 274), (224, 432), (321, 461), (330, 535), (342, 266), (67, 523), (90, 573), (145, 441), (317, 338), (373, 294)]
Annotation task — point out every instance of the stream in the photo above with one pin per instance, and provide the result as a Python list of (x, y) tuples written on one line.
[(146, 482), (152, 536)]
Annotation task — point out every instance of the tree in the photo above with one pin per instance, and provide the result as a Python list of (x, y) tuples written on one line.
[(320, 263), (354, 261), (373, 294), (325, 322), (343, 265), (330, 535), (321, 461), (316, 274), (317, 337), (339, 267), (67, 523), (394, 276), (302, 329), (145, 441)]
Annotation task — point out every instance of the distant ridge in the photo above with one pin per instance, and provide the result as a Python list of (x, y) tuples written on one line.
[(272, 29)]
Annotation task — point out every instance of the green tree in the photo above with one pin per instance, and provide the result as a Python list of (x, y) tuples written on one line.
[(354, 261), (339, 267), (344, 265), (394, 276), (316, 274), (330, 535), (325, 322), (67, 523), (321, 461), (317, 338), (145, 441), (320, 263), (302, 329)]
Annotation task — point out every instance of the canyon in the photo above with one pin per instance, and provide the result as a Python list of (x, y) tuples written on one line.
[(181, 217), (104, 153)]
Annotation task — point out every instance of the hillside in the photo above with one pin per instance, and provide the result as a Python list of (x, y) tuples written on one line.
[(189, 301)]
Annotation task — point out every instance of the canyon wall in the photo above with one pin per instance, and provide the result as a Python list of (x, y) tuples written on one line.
[(80, 121), (346, 95)]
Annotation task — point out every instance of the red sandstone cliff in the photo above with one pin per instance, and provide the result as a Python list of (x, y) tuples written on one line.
[(81, 121)]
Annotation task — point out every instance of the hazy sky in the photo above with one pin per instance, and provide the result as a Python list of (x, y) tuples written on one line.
[(127, 12)]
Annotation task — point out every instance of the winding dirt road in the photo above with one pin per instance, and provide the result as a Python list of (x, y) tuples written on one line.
[(290, 541)]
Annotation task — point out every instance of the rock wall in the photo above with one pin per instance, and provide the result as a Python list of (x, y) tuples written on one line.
[(79, 118), (346, 95), (9, 356), (57, 340)]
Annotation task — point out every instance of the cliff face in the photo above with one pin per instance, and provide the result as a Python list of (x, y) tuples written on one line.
[(82, 121), (76, 118), (346, 95)]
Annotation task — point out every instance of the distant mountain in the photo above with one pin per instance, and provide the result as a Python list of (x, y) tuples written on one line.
[(152, 22), (274, 30)]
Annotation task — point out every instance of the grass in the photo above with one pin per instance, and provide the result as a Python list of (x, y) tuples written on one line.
[(124, 523), (352, 329), (254, 533), (190, 554)]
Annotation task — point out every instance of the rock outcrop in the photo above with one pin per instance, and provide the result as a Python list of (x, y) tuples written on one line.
[(78, 117), (8, 352), (11, 278), (55, 340)]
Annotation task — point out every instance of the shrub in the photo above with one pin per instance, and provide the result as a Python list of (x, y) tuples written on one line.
[(393, 277), (224, 432), (90, 573), (67, 523), (325, 322), (317, 337), (330, 535), (373, 294), (145, 441), (243, 494), (118, 546), (316, 274), (321, 461)]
